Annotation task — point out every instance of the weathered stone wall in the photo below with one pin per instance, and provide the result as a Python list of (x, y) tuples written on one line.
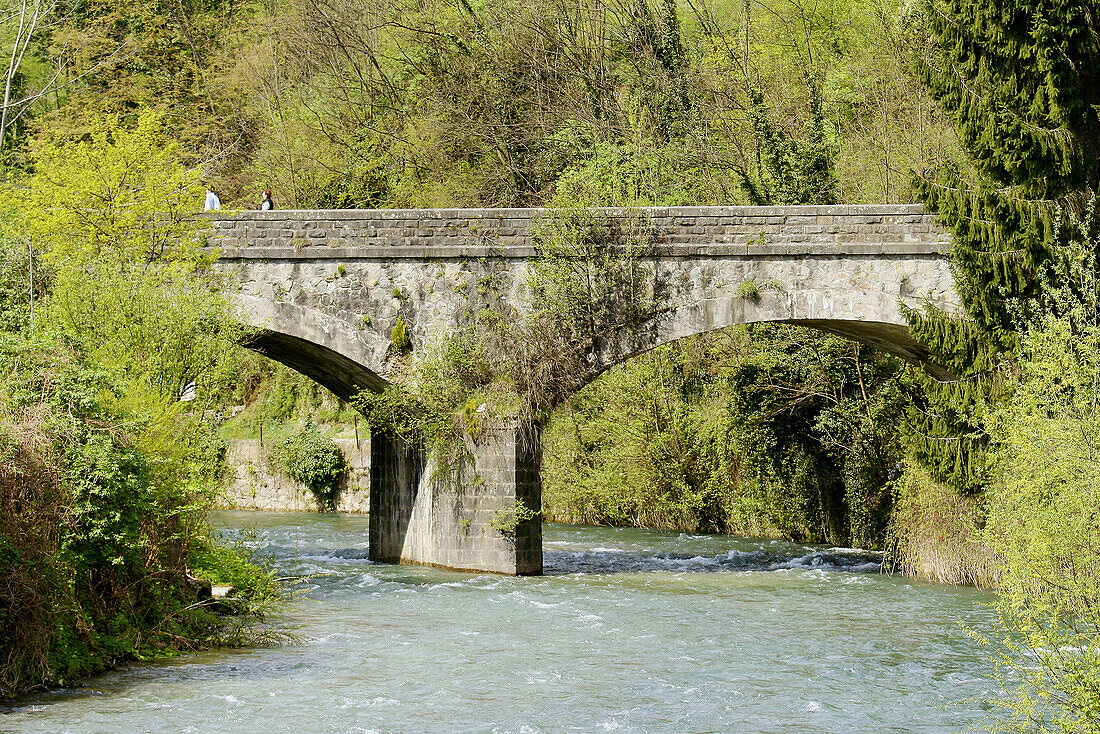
[(419, 516), (481, 232), (256, 486)]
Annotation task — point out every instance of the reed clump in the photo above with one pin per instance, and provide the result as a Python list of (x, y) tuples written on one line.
[(935, 532)]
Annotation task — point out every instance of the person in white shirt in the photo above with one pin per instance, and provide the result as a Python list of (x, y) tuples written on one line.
[(267, 204), (212, 200)]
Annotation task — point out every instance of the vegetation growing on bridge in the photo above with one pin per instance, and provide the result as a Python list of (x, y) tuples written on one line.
[(500, 365)]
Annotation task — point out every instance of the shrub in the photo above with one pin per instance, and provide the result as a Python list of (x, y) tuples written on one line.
[(508, 519), (1045, 529), (314, 460), (400, 335)]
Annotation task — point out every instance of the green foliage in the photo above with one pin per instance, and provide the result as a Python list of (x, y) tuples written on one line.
[(591, 278), (107, 476), (749, 290), (506, 521), (1043, 522), (452, 392), (276, 400), (444, 104), (113, 216), (313, 460), (649, 443), (936, 533), (1013, 76), (762, 431), (1044, 527), (791, 170), (399, 335), (111, 490), (96, 526), (441, 104), (16, 295)]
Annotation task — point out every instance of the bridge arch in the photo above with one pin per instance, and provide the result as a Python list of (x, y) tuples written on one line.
[(872, 318), (325, 289), (329, 351)]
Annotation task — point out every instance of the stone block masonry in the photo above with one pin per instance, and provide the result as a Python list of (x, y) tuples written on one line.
[(325, 289), (717, 230), (464, 522)]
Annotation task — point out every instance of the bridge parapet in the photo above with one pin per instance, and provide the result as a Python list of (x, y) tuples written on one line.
[(714, 231)]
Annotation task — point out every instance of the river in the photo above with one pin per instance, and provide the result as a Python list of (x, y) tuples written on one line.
[(629, 631)]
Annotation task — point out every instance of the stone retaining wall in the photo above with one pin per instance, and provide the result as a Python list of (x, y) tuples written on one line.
[(256, 486)]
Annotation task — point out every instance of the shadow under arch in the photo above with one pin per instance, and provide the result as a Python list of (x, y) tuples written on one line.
[(323, 348), (872, 318)]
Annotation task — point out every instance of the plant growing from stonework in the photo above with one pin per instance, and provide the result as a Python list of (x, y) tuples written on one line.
[(749, 291), (508, 519), (399, 336), (436, 402), (595, 275), (590, 280)]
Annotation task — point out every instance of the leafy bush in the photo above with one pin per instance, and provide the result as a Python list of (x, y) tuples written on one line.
[(105, 476), (96, 532), (314, 460), (507, 520), (1045, 529)]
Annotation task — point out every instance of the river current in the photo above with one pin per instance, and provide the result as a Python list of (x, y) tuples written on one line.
[(629, 631)]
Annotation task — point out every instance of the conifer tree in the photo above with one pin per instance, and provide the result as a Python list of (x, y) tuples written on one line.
[(1021, 80)]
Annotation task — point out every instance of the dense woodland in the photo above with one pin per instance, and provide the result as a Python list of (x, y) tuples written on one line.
[(116, 111)]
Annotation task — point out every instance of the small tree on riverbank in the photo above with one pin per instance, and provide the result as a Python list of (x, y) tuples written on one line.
[(106, 477), (1043, 524)]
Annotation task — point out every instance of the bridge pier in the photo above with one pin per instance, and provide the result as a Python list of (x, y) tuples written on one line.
[(468, 521)]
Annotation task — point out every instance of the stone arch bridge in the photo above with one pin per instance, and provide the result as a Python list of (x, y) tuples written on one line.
[(325, 289)]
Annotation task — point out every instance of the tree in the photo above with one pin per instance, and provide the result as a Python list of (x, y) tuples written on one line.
[(1021, 81), (105, 475), (115, 218), (30, 21)]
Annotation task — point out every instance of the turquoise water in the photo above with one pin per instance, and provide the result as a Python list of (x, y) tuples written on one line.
[(629, 631)]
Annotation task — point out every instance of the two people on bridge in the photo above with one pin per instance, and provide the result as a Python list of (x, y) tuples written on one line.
[(213, 203)]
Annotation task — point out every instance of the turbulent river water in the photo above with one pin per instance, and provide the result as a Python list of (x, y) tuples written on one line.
[(628, 631)]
